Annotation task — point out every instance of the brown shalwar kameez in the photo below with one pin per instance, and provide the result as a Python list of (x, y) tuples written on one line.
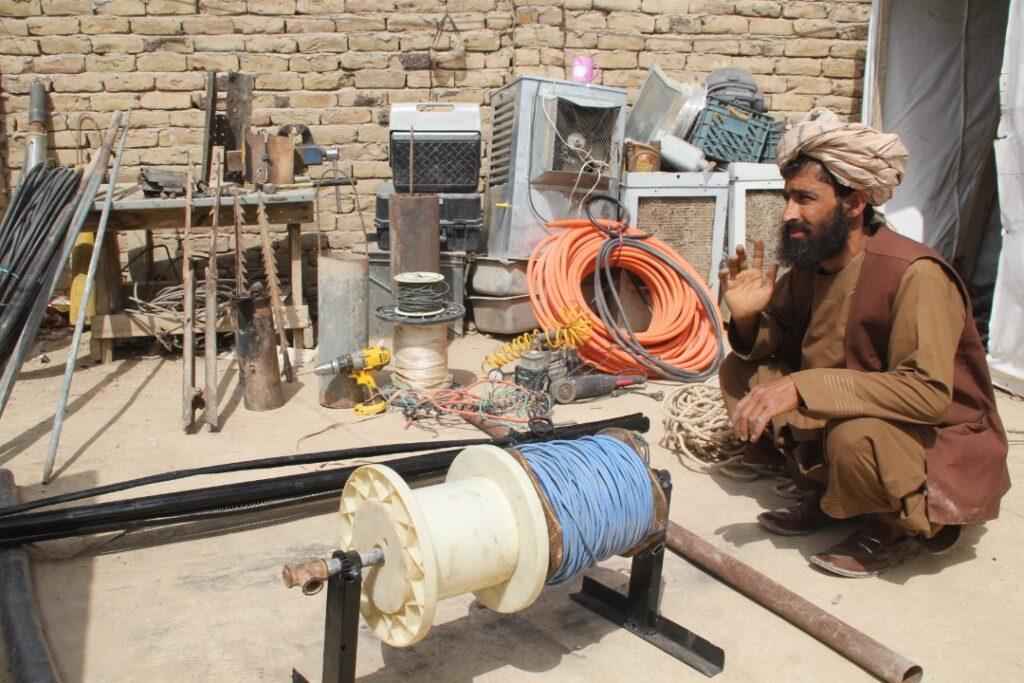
[(853, 433)]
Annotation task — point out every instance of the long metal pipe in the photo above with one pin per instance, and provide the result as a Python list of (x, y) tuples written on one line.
[(52, 274), (28, 654), (837, 634), (90, 280)]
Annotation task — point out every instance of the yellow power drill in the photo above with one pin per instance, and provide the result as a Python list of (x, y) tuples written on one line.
[(358, 366)]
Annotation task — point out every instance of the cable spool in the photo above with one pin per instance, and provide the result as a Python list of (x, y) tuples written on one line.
[(502, 525), (421, 315), (420, 294), (421, 357)]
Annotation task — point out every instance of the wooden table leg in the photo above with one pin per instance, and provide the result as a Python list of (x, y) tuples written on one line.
[(108, 294), (303, 338)]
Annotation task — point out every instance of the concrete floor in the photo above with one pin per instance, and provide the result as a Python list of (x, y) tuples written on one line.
[(205, 601)]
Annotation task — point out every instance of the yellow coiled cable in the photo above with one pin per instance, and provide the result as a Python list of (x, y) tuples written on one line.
[(568, 336)]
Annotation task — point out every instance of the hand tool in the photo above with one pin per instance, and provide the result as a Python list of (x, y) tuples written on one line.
[(273, 286), (572, 389), (359, 366), (656, 395), (271, 188)]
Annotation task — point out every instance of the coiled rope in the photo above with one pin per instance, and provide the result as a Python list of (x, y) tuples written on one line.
[(683, 340), (601, 494), (697, 427)]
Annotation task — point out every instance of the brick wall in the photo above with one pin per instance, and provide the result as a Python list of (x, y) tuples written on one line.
[(337, 64)]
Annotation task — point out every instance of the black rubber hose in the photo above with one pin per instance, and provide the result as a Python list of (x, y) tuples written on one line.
[(147, 510), (28, 654), (635, 421)]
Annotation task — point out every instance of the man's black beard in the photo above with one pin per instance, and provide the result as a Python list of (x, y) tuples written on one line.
[(817, 245)]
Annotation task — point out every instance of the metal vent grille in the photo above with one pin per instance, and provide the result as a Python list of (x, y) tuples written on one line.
[(440, 164), (501, 141), (584, 133), (764, 216), (685, 224)]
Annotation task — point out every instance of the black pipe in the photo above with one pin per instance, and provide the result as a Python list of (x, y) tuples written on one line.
[(634, 421), (147, 510), (28, 655)]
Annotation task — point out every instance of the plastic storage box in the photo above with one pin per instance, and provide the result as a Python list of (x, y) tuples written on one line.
[(729, 132)]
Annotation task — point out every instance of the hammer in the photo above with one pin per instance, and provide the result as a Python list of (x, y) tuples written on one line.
[(271, 188)]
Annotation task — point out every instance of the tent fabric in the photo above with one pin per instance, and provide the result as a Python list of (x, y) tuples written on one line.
[(1006, 352), (941, 96)]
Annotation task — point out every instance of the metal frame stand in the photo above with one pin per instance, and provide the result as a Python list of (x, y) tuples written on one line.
[(637, 611), (341, 628)]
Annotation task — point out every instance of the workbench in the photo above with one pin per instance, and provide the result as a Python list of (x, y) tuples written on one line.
[(291, 208)]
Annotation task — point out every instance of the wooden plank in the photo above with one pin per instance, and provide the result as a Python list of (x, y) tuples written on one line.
[(126, 326), (169, 218)]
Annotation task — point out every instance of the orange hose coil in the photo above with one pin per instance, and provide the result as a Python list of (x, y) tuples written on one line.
[(681, 332)]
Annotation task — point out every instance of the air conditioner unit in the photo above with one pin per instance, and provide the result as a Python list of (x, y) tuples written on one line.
[(553, 143)]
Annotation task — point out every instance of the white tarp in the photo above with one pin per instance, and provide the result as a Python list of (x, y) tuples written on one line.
[(1006, 329), (941, 96)]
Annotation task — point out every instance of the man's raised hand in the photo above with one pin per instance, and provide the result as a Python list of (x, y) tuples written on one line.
[(747, 288)]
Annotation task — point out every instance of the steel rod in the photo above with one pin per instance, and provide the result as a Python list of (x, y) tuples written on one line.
[(837, 634), (90, 279)]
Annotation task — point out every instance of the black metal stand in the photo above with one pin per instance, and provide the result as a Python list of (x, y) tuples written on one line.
[(637, 611), (341, 630)]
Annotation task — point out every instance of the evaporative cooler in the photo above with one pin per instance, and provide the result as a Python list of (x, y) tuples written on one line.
[(553, 143), (687, 211)]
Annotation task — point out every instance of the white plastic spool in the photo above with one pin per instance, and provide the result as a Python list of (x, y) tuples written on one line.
[(482, 531)]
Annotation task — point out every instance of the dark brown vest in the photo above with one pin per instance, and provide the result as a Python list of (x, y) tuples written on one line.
[(966, 452)]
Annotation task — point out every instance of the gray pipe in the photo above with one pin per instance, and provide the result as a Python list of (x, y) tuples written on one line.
[(343, 317), (35, 138)]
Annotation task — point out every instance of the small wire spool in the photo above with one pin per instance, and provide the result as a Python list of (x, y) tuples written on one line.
[(420, 294), (488, 529)]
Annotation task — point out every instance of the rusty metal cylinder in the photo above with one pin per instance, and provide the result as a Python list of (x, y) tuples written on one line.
[(342, 299), (415, 225), (256, 350)]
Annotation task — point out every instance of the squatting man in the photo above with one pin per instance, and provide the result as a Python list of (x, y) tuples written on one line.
[(860, 369)]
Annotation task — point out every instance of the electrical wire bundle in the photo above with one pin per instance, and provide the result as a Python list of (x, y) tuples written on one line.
[(31, 234), (601, 494), (496, 401), (683, 341), (168, 305)]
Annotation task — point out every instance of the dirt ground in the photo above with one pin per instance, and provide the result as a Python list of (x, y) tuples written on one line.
[(204, 601)]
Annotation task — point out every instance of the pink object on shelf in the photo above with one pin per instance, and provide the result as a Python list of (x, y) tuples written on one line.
[(584, 70)]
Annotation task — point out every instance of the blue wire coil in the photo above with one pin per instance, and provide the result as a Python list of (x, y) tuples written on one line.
[(601, 493)]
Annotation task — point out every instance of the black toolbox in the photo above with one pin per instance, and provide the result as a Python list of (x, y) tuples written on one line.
[(462, 220)]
